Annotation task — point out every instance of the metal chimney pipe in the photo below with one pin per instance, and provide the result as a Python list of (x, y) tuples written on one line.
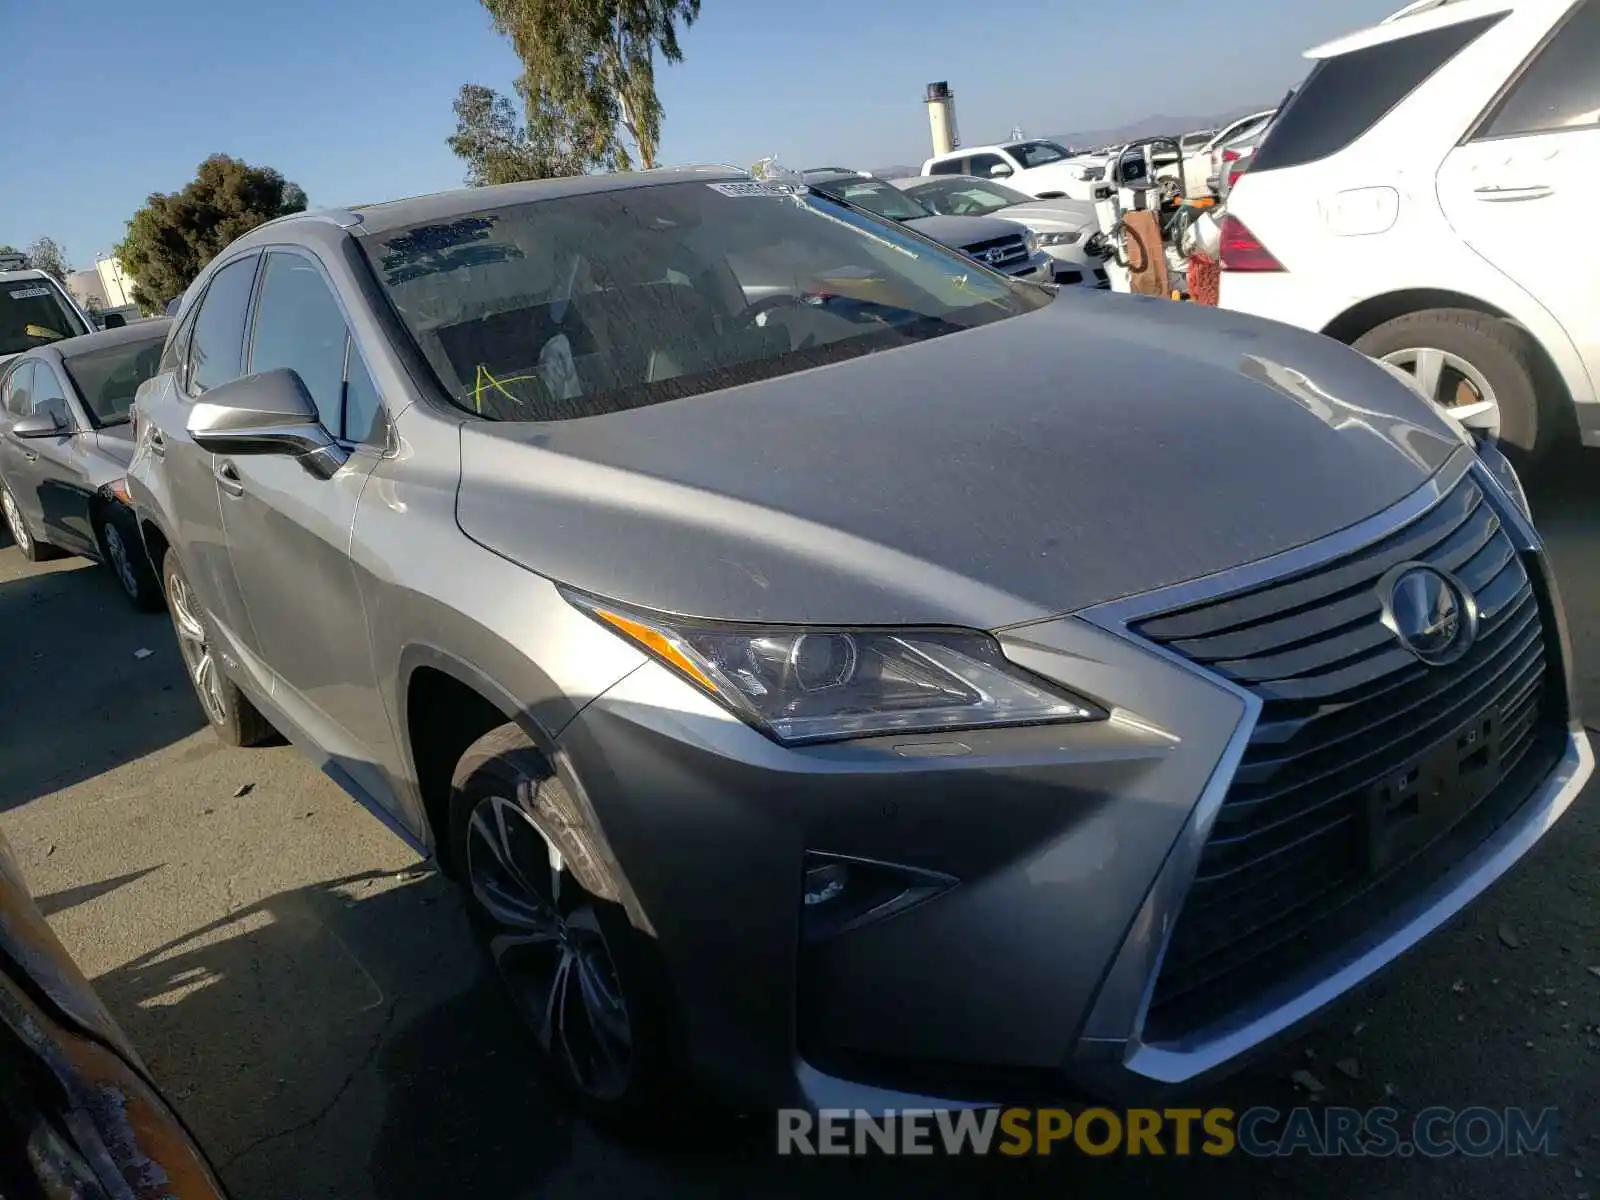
[(941, 102)]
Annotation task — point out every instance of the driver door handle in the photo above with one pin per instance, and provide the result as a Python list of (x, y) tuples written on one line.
[(1505, 195), (228, 478)]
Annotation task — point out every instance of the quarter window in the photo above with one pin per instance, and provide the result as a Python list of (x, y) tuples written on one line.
[(363, 411), (1560, 90), (217, 347), (19, 391), (950, 166), (48, 398), (299, 324)]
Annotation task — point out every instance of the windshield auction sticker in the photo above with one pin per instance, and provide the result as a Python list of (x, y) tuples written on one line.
[(757, 187)]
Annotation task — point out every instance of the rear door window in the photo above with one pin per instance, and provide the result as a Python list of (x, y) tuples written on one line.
[(1347, 95), (1560, 90), (216, 349), (982, 164)]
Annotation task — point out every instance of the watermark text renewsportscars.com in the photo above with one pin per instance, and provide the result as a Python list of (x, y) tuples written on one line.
[(1476, 1132)]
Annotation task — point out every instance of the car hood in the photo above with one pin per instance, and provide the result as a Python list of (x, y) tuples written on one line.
[(1054, 214), (963, 231), (1095, 448)]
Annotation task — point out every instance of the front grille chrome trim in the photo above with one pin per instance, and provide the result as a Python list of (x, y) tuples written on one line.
[(1110, 1050)]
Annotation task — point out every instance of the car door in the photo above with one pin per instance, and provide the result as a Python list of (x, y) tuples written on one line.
[(1528, 175), (211, 352), (60, 478), (289, 531), (18, 458)]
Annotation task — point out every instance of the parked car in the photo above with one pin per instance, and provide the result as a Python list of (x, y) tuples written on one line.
[(1202, 167), (35, 310), (79, 1115), (1007, 246), (719, 646), (1400, 200), (1045, 170), (65, 442), (1061, 228)]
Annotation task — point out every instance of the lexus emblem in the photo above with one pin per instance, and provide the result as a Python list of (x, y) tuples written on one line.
[(1429, 612)]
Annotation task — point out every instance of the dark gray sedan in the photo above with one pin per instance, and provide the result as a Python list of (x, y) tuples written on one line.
[(65, 442)]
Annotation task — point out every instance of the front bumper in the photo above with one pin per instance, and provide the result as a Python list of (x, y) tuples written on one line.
[(1070, 849)]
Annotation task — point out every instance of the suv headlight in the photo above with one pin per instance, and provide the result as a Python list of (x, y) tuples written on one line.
[(819, 685), (1060, 239), (1031, 240)]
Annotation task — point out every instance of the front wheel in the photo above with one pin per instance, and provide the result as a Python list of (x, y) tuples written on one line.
[(233, 718), (571, 963), (1460, 359), (123, 552)]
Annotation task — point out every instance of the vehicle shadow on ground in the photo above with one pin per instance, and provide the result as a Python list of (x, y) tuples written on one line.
[(343, 1040), (76, 700)]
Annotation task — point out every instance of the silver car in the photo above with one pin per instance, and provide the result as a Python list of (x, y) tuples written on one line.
[(830, 694)]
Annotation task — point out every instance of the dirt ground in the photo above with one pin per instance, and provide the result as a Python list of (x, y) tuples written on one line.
[(306, 993)]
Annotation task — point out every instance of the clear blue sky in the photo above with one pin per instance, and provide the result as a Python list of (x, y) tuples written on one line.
[(351, 98)]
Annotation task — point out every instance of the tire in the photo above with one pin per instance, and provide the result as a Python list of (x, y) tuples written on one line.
[(234, 719), (30, 547), (123, 553), (1530, 424), (503, 783)]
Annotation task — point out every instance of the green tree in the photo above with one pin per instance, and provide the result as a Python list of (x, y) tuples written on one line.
[(175, 234), (48, 255), (499, 148), (593, 63)]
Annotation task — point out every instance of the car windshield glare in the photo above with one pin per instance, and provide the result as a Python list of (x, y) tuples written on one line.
[(968, 197), (108, 379), (33, 313), (579, 305), (877, 197), (1037, 154)]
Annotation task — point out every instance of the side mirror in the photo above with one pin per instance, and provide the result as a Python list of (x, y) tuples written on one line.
[(40, 425), (999, 171), (114, 321), (267, 413)]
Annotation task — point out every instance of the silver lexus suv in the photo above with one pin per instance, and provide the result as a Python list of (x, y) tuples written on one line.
[(816, 679)]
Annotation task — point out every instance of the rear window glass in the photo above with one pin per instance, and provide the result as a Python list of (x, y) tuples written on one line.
[(580, 305), (1347, 95), (33, 312)]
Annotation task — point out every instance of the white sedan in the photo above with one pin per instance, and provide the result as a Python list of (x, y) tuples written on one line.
[(1062, 227)]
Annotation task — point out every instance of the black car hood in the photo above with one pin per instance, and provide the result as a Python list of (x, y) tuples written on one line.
[(965, 231), (1099, 447)]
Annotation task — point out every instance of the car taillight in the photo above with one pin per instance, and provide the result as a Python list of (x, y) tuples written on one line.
[(1242, 250), (1229, 156), (1238, 169)]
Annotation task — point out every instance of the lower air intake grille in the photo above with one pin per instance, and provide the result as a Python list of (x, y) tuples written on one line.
[(1369, 774)]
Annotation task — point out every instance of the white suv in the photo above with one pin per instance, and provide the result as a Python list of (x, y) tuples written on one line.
[(1427, 196), (1044, 170)]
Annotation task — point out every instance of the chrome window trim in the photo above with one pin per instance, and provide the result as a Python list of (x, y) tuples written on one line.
[(1110, 1049)]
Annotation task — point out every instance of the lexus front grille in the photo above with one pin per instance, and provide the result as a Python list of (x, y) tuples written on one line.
[(1352, 726)]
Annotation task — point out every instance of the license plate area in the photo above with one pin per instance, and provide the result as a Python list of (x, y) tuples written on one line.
[(1420, 801)]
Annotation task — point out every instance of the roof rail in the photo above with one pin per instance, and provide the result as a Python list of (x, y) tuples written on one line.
[(1415, 7)]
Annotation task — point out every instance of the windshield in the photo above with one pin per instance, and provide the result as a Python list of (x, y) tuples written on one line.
[(33, 312), (588, 304), (1037, 154), (967, 197), (107, 379), (875, 196)]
